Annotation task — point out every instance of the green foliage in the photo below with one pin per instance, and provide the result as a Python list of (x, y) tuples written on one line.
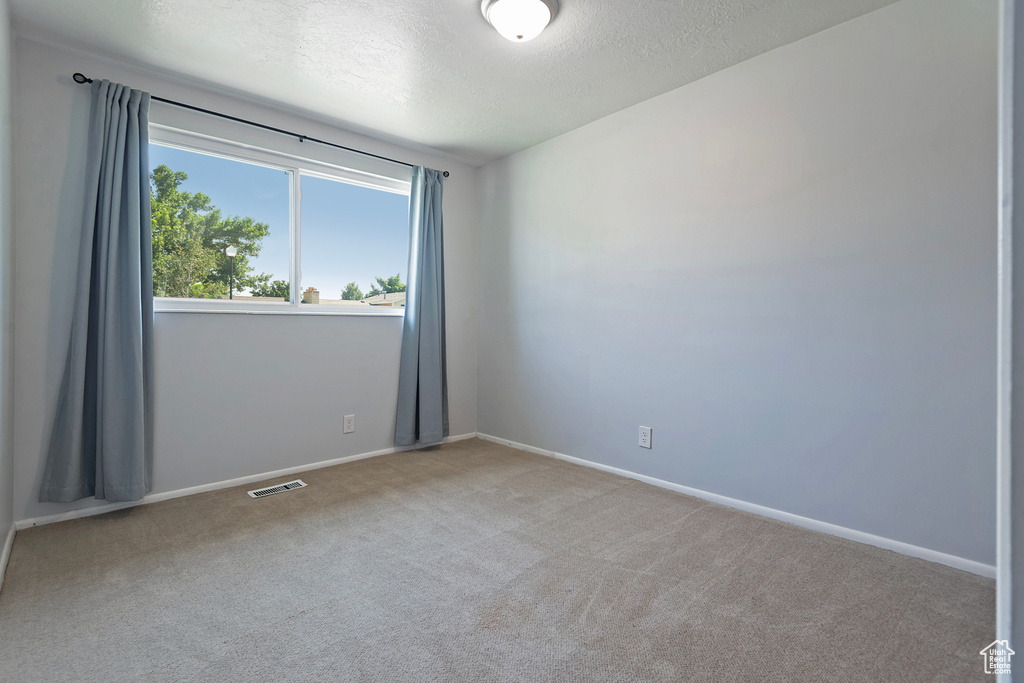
[(189, 237), (352, 292), (262, 286), (389, 285)]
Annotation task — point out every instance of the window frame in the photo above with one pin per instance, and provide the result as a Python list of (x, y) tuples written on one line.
[(296, 167)]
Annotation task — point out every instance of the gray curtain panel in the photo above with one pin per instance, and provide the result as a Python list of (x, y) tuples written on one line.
[(423, 374), (102, 439)]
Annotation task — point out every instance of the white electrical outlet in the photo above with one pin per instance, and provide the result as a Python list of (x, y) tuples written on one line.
[(350, 424), (645, 437)]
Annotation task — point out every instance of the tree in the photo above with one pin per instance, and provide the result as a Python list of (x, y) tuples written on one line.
[(389, 285), (352, 292), (264, 287), (189, 237)]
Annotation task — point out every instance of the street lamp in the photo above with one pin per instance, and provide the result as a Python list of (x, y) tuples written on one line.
[(231, 252)]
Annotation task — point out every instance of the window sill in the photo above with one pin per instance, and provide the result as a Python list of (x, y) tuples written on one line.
[(280, 309)]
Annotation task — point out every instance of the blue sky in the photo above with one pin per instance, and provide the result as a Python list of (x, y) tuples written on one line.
[(349, 233)]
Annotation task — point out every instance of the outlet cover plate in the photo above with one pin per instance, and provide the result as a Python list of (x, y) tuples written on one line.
[(350, 424), (645, 437)]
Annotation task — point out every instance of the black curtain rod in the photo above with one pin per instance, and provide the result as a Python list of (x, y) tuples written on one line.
[(82, 78)]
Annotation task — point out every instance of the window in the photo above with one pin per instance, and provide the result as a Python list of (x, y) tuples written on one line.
[(358, 254), (237, 228)]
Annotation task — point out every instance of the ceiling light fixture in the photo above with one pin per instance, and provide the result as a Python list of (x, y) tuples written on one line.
[(519, 20)]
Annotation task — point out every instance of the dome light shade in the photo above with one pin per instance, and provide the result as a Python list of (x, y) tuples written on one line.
[(519, 20)]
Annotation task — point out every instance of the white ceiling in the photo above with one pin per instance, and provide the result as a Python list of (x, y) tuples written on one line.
[(433, 71)]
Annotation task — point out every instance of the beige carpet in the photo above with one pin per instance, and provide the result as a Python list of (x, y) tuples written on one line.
[(475, 562)]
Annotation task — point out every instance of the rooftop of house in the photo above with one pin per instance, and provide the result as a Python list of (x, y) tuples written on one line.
[(392, 299)]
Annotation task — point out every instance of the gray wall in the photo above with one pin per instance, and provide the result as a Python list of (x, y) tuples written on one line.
[(787, 269), (6, 457), (236, 395)]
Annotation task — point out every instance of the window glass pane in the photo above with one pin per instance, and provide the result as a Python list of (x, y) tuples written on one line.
[(203, 204), (355, 244)]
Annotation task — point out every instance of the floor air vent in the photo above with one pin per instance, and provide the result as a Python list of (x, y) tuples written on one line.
[(278, 488)]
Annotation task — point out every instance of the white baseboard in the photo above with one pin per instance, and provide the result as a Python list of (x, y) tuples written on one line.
[(168, 495), (5, 554), (986, 570)]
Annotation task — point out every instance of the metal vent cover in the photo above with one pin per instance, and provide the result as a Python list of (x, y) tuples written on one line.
[(277, 488)]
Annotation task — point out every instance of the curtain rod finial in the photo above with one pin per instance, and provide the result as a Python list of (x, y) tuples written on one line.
[(446, 174), (81, 78)]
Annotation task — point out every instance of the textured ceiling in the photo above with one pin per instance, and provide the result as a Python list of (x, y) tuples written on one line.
[(433, 71)]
